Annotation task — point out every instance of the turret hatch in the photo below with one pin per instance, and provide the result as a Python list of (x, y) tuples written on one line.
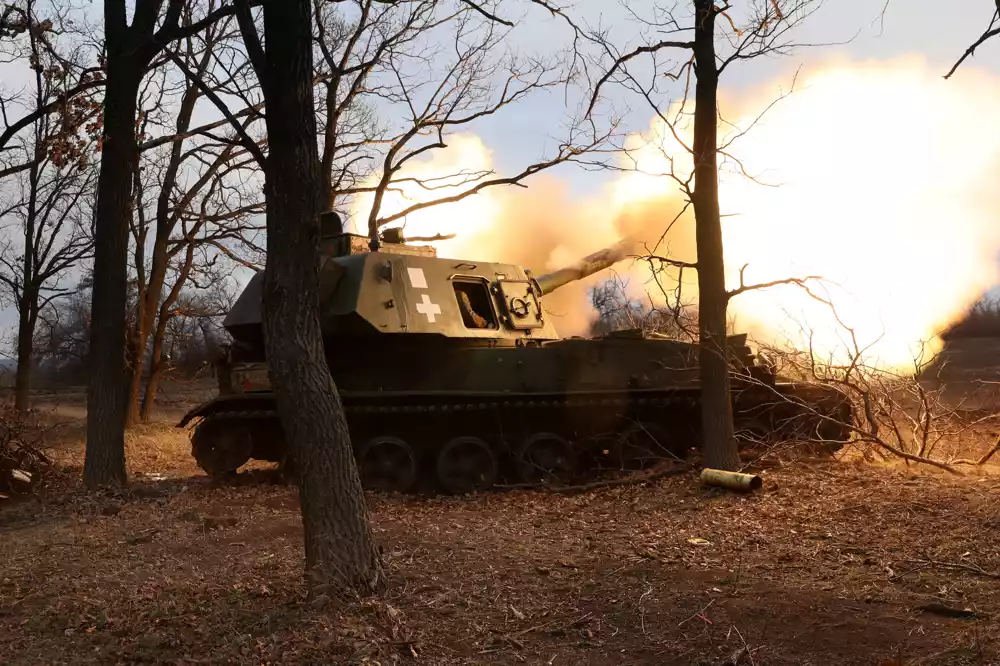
[(520, 303)]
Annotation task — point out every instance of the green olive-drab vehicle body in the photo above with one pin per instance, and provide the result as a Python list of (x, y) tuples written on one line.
[(450, 372)]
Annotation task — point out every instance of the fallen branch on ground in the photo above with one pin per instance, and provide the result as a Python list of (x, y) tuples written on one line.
[(984, 459), (651, 475)]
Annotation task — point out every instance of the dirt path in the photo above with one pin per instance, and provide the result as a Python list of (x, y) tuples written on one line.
[(828, 564)]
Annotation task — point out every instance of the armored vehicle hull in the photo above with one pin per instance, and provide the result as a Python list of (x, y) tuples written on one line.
[(452, 377)]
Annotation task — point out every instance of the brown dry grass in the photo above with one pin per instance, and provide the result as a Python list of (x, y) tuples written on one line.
[(827, 564)]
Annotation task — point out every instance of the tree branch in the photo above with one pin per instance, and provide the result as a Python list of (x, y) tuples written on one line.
[(990, 32), (248, 143), (743, 288)]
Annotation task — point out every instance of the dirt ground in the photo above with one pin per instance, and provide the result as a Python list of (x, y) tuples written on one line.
[(829, 563)]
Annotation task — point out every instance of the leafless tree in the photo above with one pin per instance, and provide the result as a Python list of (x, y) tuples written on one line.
[(616, 310), (339, 544), (40, 33), (192, 335), (982, 320), (431, 67), (62, 337), (47, 194), (50, 235), (197, 297), (130, 51), (706, 42), (201, 193)]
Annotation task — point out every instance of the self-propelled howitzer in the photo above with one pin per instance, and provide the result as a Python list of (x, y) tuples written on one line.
[(452, 374)]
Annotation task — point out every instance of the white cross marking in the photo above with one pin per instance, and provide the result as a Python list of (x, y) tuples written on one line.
[(417, 279), (425, 307)]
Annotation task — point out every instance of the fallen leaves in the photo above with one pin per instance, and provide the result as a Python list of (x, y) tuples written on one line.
[(193, 570)]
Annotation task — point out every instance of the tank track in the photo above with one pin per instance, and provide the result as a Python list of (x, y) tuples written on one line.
[(467, 445)]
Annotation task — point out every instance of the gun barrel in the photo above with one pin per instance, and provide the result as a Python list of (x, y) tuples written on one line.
[(585, 267)]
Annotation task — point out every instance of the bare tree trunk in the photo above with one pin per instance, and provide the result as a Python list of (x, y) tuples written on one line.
[(28, 314), (163, 317), (339, 544), (155, 368), (107, 390), (136, 362), (28, 305), (147, 305), (719, 444), (152, 386)]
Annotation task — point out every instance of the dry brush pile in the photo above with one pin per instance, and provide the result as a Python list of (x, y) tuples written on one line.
[(903, 415), (22, 462)]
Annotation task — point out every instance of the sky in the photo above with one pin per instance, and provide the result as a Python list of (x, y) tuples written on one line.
[(937, 31), (930, 30)]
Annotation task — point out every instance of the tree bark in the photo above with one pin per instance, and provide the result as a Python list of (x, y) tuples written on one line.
[(156, 359), (153, 379), (107, 390), (719, 443), (27, 317), (339, 544)]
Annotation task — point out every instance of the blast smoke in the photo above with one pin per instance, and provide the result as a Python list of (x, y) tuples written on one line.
[(885, 188)]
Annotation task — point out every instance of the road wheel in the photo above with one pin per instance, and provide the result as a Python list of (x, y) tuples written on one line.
[(466, 465), (545, 457), (221, 447), (387, 463)]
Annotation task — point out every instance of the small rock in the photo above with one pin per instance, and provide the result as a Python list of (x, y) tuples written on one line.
[(110, 509)]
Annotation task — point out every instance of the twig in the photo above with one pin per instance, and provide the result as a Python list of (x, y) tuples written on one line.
[(700, 614), (956, 565), (642, 611), (984, 459), (745, 648), (545, 625)]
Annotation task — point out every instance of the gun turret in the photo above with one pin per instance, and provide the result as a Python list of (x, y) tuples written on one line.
[(585, 267)]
